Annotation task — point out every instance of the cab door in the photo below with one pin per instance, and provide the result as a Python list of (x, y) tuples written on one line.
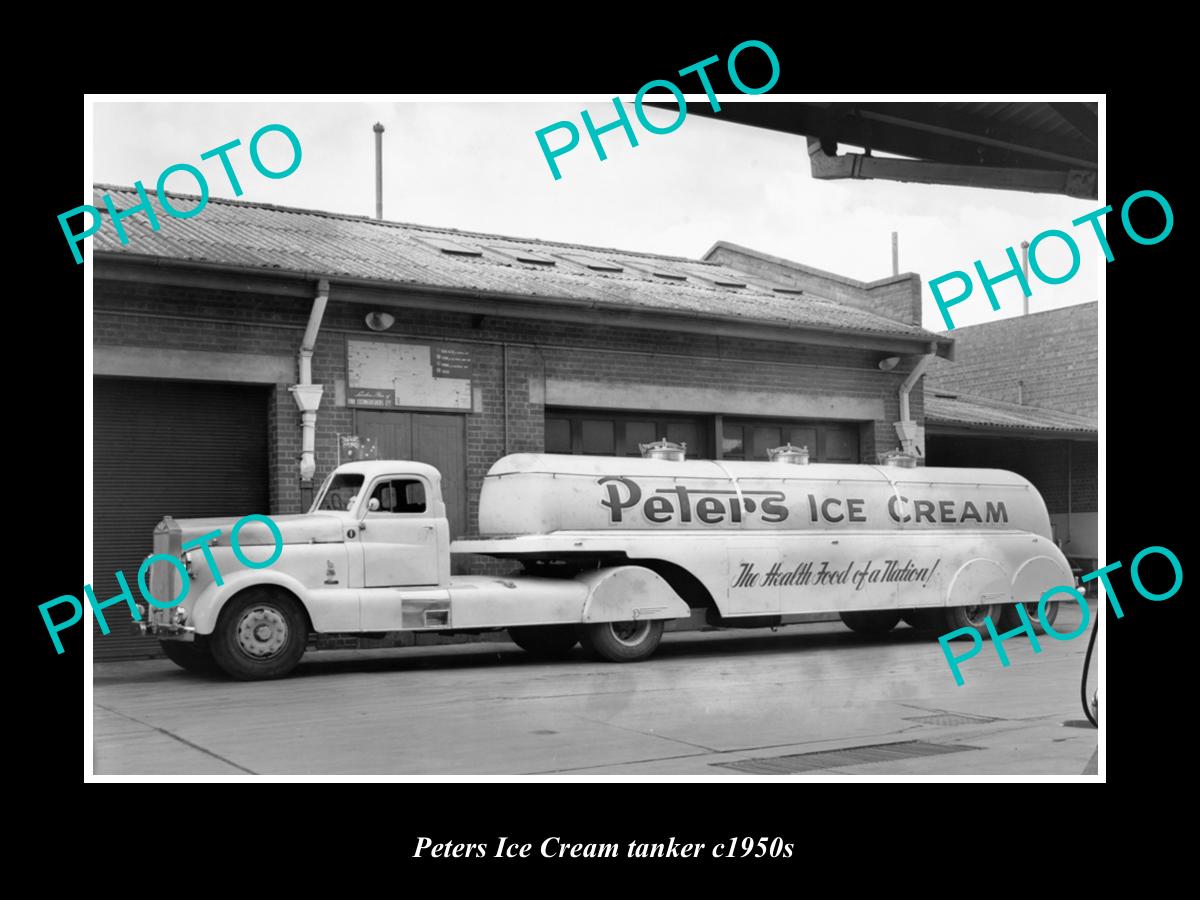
[(399, 534)]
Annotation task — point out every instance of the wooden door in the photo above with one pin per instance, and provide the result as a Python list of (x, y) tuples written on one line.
[(439, 440)]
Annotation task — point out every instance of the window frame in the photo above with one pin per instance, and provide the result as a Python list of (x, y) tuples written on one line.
[(379, 479)]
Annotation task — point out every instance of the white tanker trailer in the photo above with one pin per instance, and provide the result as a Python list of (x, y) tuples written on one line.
[(612, 548)]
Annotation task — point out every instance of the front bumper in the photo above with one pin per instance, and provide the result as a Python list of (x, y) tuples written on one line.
[(170, 628)]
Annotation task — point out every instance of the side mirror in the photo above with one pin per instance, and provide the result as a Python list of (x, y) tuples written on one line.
[(373, 504)]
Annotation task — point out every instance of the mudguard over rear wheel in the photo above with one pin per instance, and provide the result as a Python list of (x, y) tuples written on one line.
[(621, 641)]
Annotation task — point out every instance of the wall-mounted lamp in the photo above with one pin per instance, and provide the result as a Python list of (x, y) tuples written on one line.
[(380, 321), (888, 363)]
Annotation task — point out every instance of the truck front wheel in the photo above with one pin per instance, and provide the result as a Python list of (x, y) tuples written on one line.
[(545, 641), (260, 634), (621, 641)]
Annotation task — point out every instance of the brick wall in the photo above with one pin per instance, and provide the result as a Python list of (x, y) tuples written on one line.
[(1054, 353), (512, 404)]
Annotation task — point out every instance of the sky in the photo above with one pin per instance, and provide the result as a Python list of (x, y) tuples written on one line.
[(477, 166)]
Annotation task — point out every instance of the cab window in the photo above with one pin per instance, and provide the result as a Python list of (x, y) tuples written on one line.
[(404, 496), (341, 490)]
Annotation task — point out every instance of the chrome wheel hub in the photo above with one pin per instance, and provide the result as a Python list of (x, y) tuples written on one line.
[(630, 633), (976, 614), (261, 632)]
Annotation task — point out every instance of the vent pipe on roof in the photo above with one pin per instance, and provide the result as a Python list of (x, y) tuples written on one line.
[(1025, 271), (895, 253), (378, 171)]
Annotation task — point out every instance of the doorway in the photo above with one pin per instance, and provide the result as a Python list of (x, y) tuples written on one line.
[(439, 440)]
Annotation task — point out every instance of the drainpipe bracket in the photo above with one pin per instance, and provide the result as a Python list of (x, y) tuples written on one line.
[(308, 396), (911, 436)]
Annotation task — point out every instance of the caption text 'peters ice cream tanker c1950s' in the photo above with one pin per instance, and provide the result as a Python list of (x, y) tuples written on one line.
[(611, 549)]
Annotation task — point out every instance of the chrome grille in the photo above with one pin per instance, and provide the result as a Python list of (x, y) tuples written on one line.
[(164, 581)]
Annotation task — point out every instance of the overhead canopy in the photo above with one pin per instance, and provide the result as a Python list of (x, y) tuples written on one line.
[(1040, 147)]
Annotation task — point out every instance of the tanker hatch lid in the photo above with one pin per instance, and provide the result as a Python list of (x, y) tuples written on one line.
[(664, 449), (796, 456)]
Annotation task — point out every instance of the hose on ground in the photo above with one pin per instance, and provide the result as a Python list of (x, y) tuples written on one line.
[(1087, 662)]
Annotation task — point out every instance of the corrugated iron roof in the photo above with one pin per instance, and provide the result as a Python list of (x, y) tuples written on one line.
[(947, 409), (258, 236)]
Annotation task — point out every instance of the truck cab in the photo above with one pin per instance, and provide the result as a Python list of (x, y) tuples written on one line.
[(372, 555), (396, 530)]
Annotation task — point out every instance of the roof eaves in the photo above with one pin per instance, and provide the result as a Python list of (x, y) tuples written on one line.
[(872, 337)]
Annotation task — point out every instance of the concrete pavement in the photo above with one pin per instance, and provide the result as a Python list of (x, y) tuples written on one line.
[(703, 702)]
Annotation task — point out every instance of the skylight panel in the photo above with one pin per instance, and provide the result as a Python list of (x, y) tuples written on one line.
[(452, 248)]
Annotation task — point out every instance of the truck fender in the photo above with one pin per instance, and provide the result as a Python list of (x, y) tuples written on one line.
[(979, 581), (625, 593), (206, 607), (1040, 574)]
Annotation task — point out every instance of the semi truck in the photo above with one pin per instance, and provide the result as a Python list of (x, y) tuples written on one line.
[(604, 552)]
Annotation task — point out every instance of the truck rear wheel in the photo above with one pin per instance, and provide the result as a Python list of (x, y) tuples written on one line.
[(191, 656), (872, 621), (259, 634), (973, 617), (621, 641), (545, 641), (925, 618), (1009, 618)]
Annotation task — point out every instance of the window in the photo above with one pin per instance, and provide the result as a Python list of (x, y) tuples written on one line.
[(598, 433), (831, 442), (340, 491), (558, 435), (598, 437), (397, 495)]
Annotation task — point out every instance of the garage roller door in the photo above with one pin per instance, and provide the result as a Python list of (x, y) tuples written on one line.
[(167, 448)]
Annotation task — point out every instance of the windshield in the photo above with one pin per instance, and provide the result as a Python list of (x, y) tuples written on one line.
[(340, 492)]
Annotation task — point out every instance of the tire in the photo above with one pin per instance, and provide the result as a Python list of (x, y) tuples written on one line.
[(872, 622), (926, 619), (260, 634), (621, 641), (1009, 618), (972, 617), (190, 656), (545, 641)]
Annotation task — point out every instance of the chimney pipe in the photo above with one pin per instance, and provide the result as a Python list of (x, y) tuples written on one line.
[(895, 253), (1025, 271), (378, 171)]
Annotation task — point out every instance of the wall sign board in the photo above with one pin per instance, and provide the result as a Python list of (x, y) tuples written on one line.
[(394, 375)]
